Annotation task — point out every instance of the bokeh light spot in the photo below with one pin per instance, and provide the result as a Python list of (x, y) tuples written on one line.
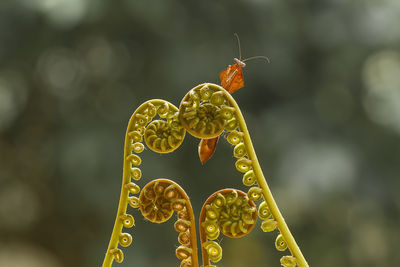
[(309, 168), (368, 244), (60, 12), (19, 207), (13, 96), (26, 255), (381, 76), (62, 72)]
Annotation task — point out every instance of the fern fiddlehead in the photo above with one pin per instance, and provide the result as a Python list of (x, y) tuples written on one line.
[(205, 112)]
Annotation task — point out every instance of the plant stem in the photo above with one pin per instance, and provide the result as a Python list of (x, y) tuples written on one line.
[(282, 226), (122, 206)]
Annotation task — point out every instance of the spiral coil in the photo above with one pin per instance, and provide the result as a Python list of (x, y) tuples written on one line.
[(228, 211), (206, 111), (157, 202)]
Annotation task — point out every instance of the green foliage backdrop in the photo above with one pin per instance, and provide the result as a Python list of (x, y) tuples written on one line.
[(324, 117)]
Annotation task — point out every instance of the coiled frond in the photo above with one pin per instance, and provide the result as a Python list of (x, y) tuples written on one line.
[(206, 111), (228, 211), (158, 201)]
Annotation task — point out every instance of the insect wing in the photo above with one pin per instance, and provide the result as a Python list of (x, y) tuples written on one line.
[(232, 78), (207, 148)]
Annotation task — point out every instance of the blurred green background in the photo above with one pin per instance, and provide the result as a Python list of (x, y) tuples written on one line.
[(324, 117)]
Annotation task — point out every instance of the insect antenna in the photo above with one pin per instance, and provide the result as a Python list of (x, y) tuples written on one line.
[(250, 58), (240, 49), (255, 57)]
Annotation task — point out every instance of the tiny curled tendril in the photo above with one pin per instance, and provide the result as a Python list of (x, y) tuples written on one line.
[(280, 243), (263, 211), (125, 239), (288, 261), (214, 250), (127, 220), (117, 254)]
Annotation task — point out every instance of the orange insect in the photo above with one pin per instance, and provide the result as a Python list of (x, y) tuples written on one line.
[(231, 80)]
